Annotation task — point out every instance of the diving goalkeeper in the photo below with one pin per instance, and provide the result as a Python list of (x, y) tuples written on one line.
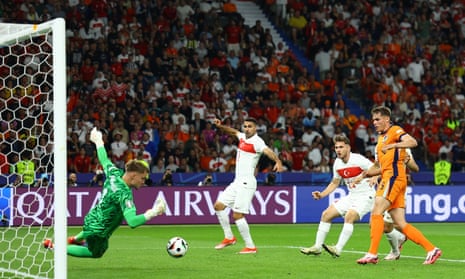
[(116, 204)]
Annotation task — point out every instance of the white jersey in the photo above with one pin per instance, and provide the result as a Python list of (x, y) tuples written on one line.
[(248, 153), (350, 170)]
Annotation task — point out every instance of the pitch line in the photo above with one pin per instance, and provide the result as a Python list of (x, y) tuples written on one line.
[(298, 247)]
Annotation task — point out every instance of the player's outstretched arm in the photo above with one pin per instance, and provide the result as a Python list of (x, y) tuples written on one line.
[(228, 130), (135, 220)]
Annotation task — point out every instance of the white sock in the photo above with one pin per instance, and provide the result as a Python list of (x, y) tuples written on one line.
[(394, 238), (244, 230), (345, 235), (323, 229), (223, 218)]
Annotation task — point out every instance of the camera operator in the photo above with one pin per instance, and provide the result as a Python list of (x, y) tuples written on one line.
[(98, 178), (167, 179), (207, 181)]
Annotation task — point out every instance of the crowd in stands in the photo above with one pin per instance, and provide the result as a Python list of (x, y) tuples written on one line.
[(154, 74)]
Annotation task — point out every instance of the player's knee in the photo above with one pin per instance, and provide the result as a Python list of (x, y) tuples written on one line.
[(327, 216), (351, 217), (237, 216), (98, 254), (388, 227), (219, 206)]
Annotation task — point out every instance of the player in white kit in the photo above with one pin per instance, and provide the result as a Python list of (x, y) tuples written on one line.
[(239, 194), (352, 207)]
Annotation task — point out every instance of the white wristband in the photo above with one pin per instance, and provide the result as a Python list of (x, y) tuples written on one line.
[(149, 214)]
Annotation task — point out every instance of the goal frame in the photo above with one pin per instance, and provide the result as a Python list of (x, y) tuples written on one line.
[(57, 26)]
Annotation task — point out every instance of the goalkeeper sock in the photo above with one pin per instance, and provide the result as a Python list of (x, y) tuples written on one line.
[(78, 251), (223, 218), (244, 230), (79, 237), (323, 229)]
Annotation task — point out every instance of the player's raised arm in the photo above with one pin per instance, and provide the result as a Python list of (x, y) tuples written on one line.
[(96, 138), (228, 130)]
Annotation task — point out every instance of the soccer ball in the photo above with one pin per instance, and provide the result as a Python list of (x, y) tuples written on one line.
[(177, 247)]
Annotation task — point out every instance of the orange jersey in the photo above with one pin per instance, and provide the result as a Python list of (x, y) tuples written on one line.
[(392, 162)]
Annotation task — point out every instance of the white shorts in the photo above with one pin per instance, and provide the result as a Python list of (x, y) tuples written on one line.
[(362, 204), (239, 194)]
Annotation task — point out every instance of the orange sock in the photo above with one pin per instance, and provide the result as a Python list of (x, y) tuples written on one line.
[(416, 236), (376, 233)]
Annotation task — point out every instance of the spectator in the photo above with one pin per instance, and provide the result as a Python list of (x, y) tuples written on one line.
[(167, 178), (81, 163), (314, 156), (297, 22), (25, 169), (4, 166), (72, 180), (118, 151), (442, 170)]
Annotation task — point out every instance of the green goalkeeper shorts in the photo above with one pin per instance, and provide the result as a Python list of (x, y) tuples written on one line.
[(97, 245)]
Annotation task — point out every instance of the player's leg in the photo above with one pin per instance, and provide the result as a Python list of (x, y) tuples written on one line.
[(357, 207), (78, 239), (225, 198), (241, 207), (323, 229), (79, 251), (95, 248), (376, 224), (395, 238), (412, 233)]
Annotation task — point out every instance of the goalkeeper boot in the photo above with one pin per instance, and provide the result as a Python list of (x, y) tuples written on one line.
[(160, 206), (226, 242), (48, 244), (332, 251), (311, 251), (72, 240)]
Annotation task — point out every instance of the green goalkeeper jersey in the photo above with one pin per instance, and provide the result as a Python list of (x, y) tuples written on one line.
[(116, 202)]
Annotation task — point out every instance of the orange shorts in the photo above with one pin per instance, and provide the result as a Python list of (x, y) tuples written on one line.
[(393, 190)]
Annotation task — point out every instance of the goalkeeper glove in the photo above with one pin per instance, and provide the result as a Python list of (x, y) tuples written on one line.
[(96, 137), (158, 209)]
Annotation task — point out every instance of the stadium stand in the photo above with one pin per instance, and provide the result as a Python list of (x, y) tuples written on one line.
[(155, 73)]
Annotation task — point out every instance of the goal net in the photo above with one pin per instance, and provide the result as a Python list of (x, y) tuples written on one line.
[(33, 149)]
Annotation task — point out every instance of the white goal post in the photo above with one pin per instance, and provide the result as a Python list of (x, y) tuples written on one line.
[(23, 231)]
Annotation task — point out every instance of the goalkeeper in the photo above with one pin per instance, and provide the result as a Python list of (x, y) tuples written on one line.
[(116, 204)]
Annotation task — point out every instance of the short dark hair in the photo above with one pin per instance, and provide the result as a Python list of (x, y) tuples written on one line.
[(251, 119)]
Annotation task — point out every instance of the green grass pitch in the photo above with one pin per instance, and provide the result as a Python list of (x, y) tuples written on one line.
[(140, 253)]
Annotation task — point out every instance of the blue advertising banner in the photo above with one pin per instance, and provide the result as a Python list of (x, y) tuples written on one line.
[(423, 204), (5, 205)]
